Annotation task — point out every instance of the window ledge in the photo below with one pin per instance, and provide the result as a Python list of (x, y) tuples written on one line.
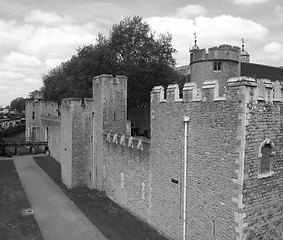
[(265, 175)]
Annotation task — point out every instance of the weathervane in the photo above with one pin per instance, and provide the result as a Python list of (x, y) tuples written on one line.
[(243, 43), (195, 34)]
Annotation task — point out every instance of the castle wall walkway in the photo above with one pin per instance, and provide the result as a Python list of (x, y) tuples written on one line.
[(57, 217)]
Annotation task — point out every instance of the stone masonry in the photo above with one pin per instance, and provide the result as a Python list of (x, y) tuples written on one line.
[(234, 154)]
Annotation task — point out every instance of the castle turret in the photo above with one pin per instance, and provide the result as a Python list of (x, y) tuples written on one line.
[(245, 56), (219, 63)]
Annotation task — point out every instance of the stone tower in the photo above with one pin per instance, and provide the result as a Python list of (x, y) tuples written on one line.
[(110, 115), (219, 63), (245, 56)]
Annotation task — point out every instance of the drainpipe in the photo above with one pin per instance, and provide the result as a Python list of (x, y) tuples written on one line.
[(186, 121), (93, 146)]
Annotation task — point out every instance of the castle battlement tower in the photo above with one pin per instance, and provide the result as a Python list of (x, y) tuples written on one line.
[(219, 63)]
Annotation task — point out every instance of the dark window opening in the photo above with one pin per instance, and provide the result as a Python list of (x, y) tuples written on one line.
[(213, 227), (217, 66), (174, 181), (33, 115), (266, 161)]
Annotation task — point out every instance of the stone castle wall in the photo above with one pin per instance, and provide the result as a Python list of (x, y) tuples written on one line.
[(212, 153), (126, 173), (76, 141), (227, 196), (53, 123), (262, 195), (34, 110)]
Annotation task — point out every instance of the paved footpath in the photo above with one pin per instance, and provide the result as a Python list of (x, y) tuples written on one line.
[(57, 217)]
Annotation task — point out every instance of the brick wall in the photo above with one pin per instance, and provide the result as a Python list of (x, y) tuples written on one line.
[(126, 173), (227, 198), (262, 196), (110, 116), (82, 143), (66, 143), (76, 141), (110, 95), (212, 154)]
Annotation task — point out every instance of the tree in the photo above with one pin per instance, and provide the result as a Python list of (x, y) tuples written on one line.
[(132, 49), (73, 78), (146, 60), (18, 104)]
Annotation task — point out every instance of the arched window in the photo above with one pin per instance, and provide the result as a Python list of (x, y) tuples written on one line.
[(217, 66), (266, 155)]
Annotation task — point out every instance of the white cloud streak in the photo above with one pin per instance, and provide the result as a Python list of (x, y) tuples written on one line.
[(37, 16), (190, 11), (279, 12), (249, 2), (15, 59), (273, 50)]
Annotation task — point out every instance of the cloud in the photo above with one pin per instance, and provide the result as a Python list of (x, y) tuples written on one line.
[(279, 12), (60, 41), (46, 34), (228, 28), (15, 59), (9, 75), (12, 33), (210, 31), (273, 47), (31, 48), (249, 2), (274, 50), (190, 11), (37, 16), (32, 80)]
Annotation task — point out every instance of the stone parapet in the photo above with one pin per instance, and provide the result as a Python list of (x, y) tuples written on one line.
[(254, 90)]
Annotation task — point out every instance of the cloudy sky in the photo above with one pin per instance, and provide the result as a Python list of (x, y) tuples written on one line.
[(36, 35)]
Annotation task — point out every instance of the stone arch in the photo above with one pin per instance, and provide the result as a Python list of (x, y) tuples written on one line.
[(266, 141), (265, 157)]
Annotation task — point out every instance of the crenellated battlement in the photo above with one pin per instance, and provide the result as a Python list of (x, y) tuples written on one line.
[(222, 52), (76, 102), (108, 79), (253, 90)]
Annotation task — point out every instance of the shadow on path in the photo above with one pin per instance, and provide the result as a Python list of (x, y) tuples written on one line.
[(14, 224), (114, 222)]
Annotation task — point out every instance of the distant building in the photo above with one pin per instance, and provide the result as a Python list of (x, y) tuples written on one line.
[(224, 62)]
